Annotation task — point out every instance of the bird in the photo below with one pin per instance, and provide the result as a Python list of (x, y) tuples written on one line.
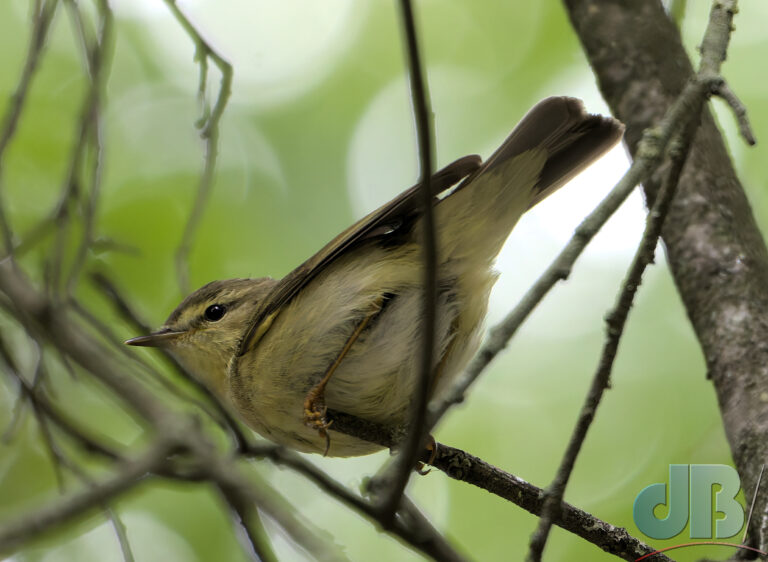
[(343, 329)]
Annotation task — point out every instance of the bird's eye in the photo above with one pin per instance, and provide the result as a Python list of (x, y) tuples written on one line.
[(215, 312)]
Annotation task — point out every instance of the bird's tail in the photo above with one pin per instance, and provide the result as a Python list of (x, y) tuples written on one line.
[(555, 141)]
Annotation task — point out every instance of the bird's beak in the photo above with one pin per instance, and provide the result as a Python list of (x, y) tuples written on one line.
[(157, 339)]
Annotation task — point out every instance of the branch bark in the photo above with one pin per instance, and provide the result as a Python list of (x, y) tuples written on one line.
[(715, 251), (465, 467)]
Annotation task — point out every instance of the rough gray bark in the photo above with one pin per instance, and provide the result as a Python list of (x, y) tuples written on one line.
[(716, 253)]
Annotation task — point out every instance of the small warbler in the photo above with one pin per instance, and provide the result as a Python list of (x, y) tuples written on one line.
[(344, 328)]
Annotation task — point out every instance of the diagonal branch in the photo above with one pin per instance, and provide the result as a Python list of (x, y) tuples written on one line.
[(92, 497), (43, 12), (465, 467), (209, 124), (98, 60), (714, 248), (217, 411), (714, 47), (417, 532), (615, 321)]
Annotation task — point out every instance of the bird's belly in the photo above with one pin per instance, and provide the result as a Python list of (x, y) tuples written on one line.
[(375, 380)]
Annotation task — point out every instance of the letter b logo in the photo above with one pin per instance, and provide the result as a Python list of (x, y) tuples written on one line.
[(702, 478)]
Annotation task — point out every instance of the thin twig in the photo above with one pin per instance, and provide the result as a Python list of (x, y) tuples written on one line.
[(220, 413), (250, 495), (43, 12), (43, 405), (424, 539), (723, 90), (99, 62), (209, 123), (58, 512), (120, 533), (467, 468), (86, 134), (713, 50), (752, 504), (250, 522), (615, 321), (396, 477)]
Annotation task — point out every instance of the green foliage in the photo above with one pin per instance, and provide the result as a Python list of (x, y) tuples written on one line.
[(294, 150)]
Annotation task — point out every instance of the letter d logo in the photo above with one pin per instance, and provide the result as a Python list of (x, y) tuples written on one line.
[(656, 494)]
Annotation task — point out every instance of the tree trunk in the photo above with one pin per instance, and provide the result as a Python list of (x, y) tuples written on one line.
[(715, 251)]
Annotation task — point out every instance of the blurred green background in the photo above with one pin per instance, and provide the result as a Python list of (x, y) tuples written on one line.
[(318, 132)]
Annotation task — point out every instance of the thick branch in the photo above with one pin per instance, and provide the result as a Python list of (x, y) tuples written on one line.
[(464, 467), (716, 253), (615, 321)]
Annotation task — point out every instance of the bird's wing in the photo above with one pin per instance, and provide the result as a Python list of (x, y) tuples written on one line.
[(386, 221)]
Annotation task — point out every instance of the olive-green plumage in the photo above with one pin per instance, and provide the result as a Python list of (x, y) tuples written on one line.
[(263, 344)]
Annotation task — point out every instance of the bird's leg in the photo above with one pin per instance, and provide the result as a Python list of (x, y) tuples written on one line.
[(314, 403), (431, 446)]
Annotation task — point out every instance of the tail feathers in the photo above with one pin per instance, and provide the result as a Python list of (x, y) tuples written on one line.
[(555, 141), (584, 139)]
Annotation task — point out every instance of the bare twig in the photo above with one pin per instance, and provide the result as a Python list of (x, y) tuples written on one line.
[(43, 12), (396, 477), (423, 538), (98, 62), (87, 134), (724, 91), (209, 123), (615, 321), (467, 468), (250, 522), (714, 47), (122, 536), (47, 408), (92, 497), (220, 413)]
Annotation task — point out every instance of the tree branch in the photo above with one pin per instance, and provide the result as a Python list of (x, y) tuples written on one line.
[(93, 496), (615, 322), (715, 251), (465, 467), (43, 12), (209, 132), (395, 478)]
